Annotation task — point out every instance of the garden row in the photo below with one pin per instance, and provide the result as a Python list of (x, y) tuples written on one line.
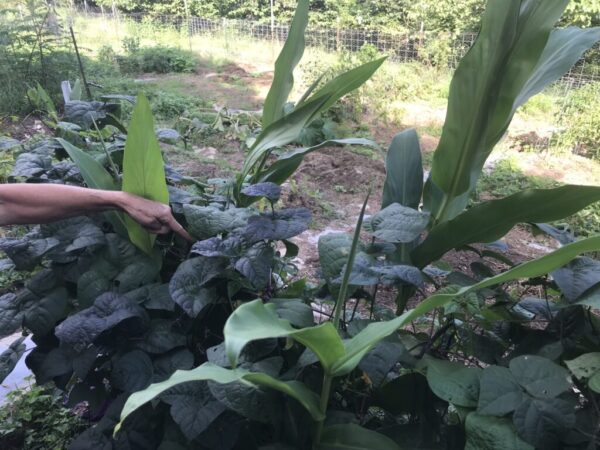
[(216, 345)]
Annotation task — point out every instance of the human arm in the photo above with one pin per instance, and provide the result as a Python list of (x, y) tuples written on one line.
[(22, 204)]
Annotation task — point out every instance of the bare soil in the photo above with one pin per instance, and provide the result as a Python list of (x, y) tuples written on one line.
[(235, 86), (23, 129)]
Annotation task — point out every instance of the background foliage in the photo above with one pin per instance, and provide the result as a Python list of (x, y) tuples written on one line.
[(430, 15)]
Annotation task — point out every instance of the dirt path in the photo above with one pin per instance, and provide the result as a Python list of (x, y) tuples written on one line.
[(235, 86)]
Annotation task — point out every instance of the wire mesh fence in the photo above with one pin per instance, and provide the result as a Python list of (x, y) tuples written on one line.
[(441, 49), (399, 46)]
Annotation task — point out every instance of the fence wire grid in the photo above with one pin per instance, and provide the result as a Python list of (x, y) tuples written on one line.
[(401, 47)]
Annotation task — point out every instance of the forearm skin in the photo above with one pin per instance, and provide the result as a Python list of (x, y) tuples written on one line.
[(25, 204)]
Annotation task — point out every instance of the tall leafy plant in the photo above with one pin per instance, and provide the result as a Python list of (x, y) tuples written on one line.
[(282, 126), (516, 55), (143, 169)]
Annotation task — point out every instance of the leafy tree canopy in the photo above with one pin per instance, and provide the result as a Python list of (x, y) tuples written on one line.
[(427, 15)]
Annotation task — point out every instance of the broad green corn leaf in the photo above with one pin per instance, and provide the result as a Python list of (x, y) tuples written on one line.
[(96, 177), (357, 347), (489, 84), (94, 174), (347, 82), (403, 182), (404, 171), (490, 221), (354, 437), (288, 128), (212, 372), (565, 47), (143, 169), (255, 320), (283, 80), (288, 162), (280, 133)]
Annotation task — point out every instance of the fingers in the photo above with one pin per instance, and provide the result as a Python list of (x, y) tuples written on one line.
[(155, 217), (167, 223), (177, 228), (163, 229)]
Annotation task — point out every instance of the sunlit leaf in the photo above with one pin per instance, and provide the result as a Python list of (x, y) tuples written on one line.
[(209, 371), (283, 79), (513, 57), (490, 221), (143, 169)]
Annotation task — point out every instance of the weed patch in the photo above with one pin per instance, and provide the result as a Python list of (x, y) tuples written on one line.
[(34, 418), (158, 59)]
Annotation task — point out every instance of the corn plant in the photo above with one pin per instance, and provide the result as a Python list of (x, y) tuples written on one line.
[(516, 55), (282, 126)]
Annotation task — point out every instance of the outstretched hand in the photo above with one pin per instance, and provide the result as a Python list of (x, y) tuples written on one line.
[(152, 216), (25, 204)]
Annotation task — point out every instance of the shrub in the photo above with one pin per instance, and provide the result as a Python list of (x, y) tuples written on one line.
[(167, 105), (32, 50), (437, 50), (107, 56), (157, 59), (34, 418)]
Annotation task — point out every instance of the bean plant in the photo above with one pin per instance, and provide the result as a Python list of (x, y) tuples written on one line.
[(215, 345)]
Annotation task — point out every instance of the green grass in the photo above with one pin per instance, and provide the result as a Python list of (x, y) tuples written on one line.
[(507, 178), (541, 106), (433, 129)]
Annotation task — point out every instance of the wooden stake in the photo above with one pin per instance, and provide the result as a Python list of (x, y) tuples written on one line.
[(85, 84)]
